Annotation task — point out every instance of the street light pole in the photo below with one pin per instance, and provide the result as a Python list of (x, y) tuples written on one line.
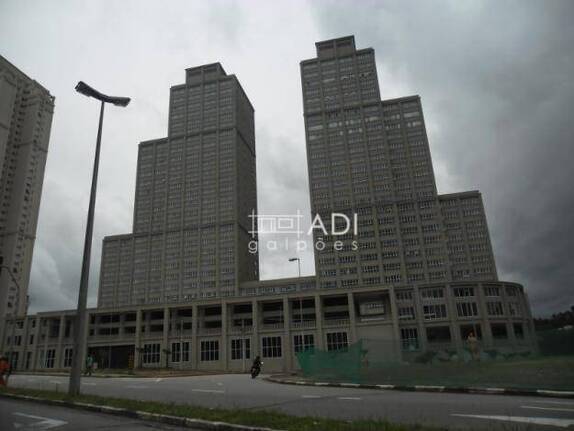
[(293, 259), (80, 327)]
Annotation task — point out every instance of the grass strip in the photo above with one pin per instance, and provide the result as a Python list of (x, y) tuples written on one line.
[(259, 418)]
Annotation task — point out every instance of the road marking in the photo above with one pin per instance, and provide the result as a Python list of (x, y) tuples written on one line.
[(213, 391), (349, 398), (310, 396), (562, 423), (55, 381), (158, 380), (44, 424), (88, 384), (567, 403), (556, 409)]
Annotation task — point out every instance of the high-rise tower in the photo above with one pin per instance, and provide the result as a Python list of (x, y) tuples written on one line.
[(195, 190), (26, 110), (372, 158)]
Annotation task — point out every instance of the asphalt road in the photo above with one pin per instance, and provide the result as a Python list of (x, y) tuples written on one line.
[(456, 411), (30, 416)]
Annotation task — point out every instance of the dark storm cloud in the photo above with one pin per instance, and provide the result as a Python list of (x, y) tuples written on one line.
[(496, 81)]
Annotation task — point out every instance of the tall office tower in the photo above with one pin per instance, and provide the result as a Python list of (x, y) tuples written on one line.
[(372, 158), (26, 110), (195, 191)]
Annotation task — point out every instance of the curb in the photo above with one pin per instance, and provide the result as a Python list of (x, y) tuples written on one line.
[(429, 388), (199, 424)]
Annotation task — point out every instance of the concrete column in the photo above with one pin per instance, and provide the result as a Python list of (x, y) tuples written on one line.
[(36, 331), (352, 317), (164, 357), (224, 340), (194, 344), (287, 345), (255, 317), (58, 359), (45, 345), (319, 342), (137, 339), (486, 341), (420, 319), (24, 345), (395, 321), (86, 333), (452, 317)]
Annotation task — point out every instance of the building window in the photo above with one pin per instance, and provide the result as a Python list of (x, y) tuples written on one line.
[(409, 339), (271, 347), (68, 354), (518, 331), (303, 343), (499, 330), (466, 309), (495, 308), (210, 350), (240, 345), (514, 309), (185, 349), (461, 292), (466, 330), (438, 334), (337, 341), (50, 358), (151, 353), (492, 291), (434, 311), (433, 293), (175, 352), (406, 313)]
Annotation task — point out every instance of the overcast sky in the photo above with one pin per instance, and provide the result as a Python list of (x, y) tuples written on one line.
[(496, 80)]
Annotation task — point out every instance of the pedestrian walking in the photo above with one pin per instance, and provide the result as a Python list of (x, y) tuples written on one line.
[(89, 365), (4, 370), (473, 346)]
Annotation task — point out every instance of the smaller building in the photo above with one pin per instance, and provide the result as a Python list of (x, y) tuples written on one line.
[(276, 319)]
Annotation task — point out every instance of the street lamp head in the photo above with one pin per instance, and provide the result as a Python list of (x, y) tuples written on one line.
[(293, 259), (86, 90)]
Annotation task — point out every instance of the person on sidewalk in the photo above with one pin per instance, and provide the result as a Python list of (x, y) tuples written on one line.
[(4, 370), (472, 342), (89, 365)]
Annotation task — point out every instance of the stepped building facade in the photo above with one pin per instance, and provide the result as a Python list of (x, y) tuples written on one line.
[(415, 273)]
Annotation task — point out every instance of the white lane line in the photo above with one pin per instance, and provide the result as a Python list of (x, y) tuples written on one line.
[(556, 409), (212, 391), (566, 403), (310, 396), (88, 384), (43, 424), (562, 423), (349, 398)]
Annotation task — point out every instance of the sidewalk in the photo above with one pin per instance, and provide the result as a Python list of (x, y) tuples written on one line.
[(143, 373), (298, 380)]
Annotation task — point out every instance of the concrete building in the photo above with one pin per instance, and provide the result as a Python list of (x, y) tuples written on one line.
[(26, 110), (417, 274), (194, 192)]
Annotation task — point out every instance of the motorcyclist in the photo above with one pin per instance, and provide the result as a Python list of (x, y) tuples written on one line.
[(256, 367)]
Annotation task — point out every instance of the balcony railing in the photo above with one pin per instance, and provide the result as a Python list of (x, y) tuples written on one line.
[(336, 322), (304, 324)]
